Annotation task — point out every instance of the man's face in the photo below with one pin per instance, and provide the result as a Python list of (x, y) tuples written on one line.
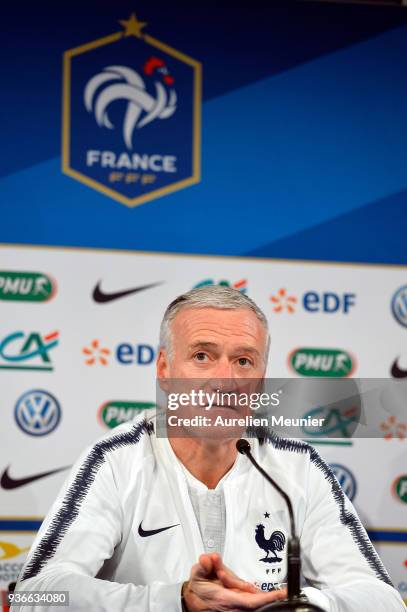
[(214, 343)]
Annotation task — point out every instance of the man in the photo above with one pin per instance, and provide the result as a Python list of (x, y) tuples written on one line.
[(163, 524)]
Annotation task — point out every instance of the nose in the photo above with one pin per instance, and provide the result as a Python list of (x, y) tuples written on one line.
[(223, 369), (222, 376)]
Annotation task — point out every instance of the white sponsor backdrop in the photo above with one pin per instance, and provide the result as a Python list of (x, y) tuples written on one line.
[(368, 331)]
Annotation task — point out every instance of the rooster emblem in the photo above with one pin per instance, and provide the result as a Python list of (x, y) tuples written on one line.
[(274, 544), (123, 83)]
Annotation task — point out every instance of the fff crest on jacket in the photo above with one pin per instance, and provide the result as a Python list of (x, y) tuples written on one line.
[(131, 115)]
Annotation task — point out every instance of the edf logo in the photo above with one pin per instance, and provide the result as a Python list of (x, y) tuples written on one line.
[(328, 302), (313, 301)]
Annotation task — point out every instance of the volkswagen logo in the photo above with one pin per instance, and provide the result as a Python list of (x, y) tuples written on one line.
[(399, 305), (37, 412), (346, 479)]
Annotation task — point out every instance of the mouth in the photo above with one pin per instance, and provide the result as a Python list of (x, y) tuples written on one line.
[(222, 407)]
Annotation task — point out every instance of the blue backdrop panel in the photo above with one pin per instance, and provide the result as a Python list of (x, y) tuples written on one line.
[(303, 131)]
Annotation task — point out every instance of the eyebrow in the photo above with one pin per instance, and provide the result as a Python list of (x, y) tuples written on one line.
[(214, 346), (202, 344), (246, 349)]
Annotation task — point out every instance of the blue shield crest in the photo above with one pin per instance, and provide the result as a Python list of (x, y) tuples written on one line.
[(131, 116)]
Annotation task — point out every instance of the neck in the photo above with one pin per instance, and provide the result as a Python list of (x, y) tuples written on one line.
[(207, 460)]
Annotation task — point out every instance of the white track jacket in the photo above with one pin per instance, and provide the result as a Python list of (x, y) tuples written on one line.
[(122, 533)]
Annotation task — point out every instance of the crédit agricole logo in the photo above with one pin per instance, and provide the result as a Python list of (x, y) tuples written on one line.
[(131, 115)]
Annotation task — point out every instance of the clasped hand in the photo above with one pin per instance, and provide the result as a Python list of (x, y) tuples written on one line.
[(213, 587)]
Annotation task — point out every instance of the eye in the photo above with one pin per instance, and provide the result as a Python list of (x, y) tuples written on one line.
[(200, 356), (244, 362)]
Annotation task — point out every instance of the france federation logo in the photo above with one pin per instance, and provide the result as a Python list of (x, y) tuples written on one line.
[(131, 116)]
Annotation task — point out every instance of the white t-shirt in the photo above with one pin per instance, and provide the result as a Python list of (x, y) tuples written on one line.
[(209, 506)]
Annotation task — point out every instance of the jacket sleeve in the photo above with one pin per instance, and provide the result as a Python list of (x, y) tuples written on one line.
[(79, 533), (339, 561)]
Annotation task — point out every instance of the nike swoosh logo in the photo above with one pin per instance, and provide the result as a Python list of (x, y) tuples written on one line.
[(102, 298), (8, 482), (145, 534), (396, 371)]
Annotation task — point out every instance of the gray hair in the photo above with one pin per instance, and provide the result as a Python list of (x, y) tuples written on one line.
[(209, 296)]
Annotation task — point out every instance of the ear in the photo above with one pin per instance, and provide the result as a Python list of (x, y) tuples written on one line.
[(163, 367)]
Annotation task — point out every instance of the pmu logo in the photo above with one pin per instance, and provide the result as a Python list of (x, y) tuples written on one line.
[(131, 115), (321, 362), (26, 286), (399, 305), (328, 302), (346, 479), (37, 412), (21, 351), (240, 285), (114, 413), (400, 488)]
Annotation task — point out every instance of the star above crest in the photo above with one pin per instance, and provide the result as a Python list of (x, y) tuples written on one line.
[(132, 26)]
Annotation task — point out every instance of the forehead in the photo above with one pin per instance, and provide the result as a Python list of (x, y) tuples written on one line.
[(218, 325)]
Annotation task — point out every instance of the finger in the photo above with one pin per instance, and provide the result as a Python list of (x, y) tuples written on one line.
[(230, 581), (229, 578), (261, 599), (251, 601), (206, 564), (220, 566), (199, 572), (216, 559)]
